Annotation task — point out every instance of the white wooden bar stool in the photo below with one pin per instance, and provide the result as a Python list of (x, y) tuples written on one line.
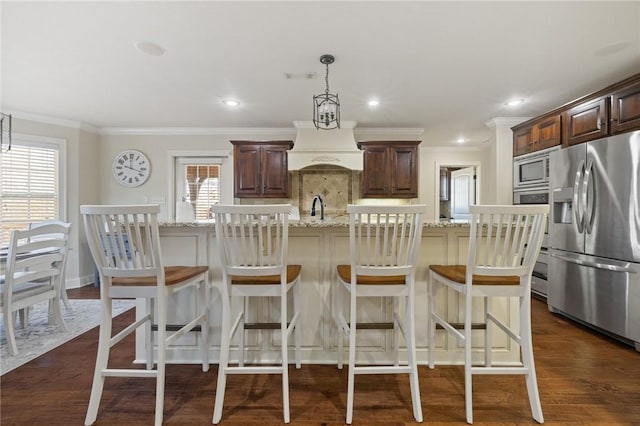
[(125, 244), (504, 243), (383, 245), (253, 247)]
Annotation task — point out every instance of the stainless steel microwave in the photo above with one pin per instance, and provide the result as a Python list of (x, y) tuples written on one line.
[(531, 170)]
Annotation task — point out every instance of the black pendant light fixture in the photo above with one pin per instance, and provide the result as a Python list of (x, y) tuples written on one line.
[(326, 106)]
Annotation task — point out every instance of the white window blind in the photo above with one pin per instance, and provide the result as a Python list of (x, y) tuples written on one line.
[(29, 186), (199, 184)]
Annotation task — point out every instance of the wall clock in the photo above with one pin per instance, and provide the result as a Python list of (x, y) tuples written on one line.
[(131, 168)]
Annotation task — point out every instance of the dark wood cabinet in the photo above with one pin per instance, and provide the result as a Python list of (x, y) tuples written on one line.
[(586, 122), (540, 134), (609, 111), (390, 169), (625, 109), (261, 169)]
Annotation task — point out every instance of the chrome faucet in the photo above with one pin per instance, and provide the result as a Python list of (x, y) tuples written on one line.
[(313, 206)]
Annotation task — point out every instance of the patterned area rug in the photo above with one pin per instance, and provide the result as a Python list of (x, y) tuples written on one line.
[(39, 337)]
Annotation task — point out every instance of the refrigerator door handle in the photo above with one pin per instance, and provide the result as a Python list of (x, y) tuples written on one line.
[(578, 183), (586, 189), (597, 265)]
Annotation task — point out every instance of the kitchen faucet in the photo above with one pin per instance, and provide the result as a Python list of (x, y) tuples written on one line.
[(313, 206)]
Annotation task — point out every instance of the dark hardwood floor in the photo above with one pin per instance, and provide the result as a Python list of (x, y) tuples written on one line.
[(584, 378)]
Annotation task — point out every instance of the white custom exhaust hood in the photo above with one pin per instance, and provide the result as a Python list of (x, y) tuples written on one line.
[(338, 147), (314, 147)]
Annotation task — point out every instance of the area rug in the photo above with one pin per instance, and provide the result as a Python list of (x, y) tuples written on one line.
[(39, 337)]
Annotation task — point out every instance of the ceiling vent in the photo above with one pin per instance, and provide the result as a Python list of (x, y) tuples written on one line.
[(300, 75)]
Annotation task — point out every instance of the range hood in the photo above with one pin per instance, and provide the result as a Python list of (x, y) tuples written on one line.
[(337, 147), (314, 147)]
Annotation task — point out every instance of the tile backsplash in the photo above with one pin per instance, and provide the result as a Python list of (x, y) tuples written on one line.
[(337, 186)]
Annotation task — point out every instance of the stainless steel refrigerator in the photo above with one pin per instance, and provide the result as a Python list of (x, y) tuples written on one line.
[(594, 235)]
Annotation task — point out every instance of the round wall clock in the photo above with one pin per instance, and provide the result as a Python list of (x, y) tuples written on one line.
[(131, 168)]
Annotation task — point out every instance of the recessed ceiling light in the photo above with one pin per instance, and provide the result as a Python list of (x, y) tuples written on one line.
[(373, 102), (514, 102), (150, 48), (231, 103), (461, 140)]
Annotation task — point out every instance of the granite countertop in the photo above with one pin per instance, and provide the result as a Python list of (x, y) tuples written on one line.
[(341, 221)]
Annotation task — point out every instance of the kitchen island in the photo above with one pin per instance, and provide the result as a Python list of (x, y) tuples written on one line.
[(319, 246)]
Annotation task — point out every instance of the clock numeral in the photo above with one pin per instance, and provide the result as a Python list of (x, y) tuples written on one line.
[(120, 173), (144, 169), (124, 178), (137, 180), (119, 167), (121, 161), (131, 156), (130, 180), (140, 174)]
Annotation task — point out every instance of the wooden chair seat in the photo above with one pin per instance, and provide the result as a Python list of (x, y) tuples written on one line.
[(458, 273), (293, 272), (172, 274), (344, 272)]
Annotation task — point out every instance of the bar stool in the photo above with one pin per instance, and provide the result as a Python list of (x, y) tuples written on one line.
[(253, 246), (383, 245), (135, 270), (504, 243)]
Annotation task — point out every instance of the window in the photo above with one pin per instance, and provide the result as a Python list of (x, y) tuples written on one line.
[(198, 183), (30, 183)]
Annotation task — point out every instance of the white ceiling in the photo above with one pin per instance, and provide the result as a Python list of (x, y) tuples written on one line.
[(447, 67)]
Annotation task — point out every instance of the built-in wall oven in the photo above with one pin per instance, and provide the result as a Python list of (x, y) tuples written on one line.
[(531, 186)]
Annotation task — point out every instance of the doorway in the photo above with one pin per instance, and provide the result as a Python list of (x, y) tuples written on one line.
[(458, 190)]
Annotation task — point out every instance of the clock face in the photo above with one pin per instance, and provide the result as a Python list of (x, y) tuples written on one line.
[(131, 168)]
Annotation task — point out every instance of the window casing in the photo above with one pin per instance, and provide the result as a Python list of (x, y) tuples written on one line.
[(31, 183), (198, 182)]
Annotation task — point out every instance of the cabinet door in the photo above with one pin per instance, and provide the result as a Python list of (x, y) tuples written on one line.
[(275, 171), (246, 160), (586, 122), (547, 133), (375, 177), (522, 141), (404, 171), (625, 109)]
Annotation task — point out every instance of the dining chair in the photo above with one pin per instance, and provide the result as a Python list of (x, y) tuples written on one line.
[(383, 246), (252, 246), (504, 243), (63, 290), (125, 244), (33, 274)]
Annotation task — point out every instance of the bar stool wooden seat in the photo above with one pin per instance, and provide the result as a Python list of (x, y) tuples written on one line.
[(383, 246), (125, 245), (504, 244), (253, 248)]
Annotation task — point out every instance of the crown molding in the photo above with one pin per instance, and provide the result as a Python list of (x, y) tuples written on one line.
[(505, 121), (198, 131), (54, 121)]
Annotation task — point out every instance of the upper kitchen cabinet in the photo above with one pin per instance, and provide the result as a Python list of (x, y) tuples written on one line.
[(625, 109), (586, 121), (390, 169), (537, 134), (260, 169)]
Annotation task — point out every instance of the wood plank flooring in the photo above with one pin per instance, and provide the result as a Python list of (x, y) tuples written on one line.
[(584, 378)]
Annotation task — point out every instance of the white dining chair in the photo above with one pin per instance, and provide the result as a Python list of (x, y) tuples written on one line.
[(125, 245), (33, 274), (63, 289), (504, 243), (252, 246), (383, 246)]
